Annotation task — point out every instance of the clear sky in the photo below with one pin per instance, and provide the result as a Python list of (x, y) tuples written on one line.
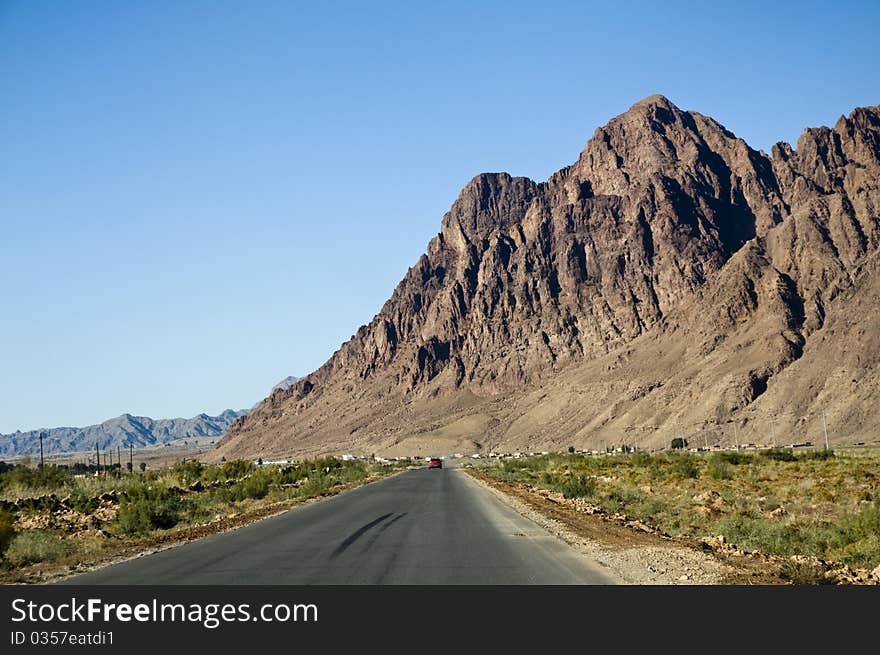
[(198, 199)]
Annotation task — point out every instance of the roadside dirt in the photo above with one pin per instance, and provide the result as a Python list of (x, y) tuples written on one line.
[(636, 552)]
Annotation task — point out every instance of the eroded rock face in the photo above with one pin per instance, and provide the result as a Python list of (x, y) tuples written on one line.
[(667, 230)]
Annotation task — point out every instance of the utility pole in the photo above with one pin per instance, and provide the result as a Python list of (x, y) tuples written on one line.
[(97, 457), (41, 449), (772, 432), (131, 458), (706, 440), (119, 457), (825, 427), (735, 436)]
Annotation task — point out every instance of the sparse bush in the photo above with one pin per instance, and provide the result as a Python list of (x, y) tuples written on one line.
[(804, 573), (780, 454), (820, 455), (34, 546), (7, 531), (233, 469), (718, 468), (788, 538), (686, 467), (289, 474), (859, 533), (622, 499), (188, 471), (147, 509), (719, 471), (46, 477), (581, 486), (317, 484), (82, 501), (733, 457), (352, 472), (254, 486)]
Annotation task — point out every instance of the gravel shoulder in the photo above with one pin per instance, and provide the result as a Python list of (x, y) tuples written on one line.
[(635, 552)]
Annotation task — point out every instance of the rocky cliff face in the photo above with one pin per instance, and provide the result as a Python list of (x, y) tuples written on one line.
[(668, 278)]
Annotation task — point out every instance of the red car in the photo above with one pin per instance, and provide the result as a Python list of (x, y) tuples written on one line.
[(435, 463)]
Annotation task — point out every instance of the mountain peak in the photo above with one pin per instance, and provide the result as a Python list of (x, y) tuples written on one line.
[(656, 100), (671, 254)]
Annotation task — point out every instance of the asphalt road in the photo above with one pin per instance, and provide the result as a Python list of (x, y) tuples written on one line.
[(420, 527)]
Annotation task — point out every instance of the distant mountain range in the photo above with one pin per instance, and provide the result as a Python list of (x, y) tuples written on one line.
[(123, 431)]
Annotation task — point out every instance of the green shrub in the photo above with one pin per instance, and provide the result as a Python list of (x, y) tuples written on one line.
[(816, 455), (580, 486), (792, 538), (686, 467), (147, 509), (34, 546), (719, 471), (46, 477), (351, 472), (862, 524), (232, 470), (804, 573), (83, 502), (317, 484), (188, 471), (733, 457), (7, 531), (255, 486), (289, 474), (780, 454), (857, 537)]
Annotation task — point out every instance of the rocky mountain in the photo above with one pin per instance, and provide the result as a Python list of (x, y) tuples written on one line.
[(122, 431), (285, 384), (673, 281)]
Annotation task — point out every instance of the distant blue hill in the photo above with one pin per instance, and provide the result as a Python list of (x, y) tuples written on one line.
[(122, 431)]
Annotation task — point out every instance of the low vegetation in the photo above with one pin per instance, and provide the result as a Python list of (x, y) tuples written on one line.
[(817, 503), (54, 514)]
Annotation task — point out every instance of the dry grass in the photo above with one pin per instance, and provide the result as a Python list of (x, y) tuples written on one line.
[(813, 503)]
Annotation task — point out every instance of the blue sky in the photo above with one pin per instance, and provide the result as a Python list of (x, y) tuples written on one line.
[(200, 198)]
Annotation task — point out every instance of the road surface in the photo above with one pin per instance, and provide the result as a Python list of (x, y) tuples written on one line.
[(424, 526)]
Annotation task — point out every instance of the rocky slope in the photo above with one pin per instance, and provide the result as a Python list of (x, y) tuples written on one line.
[(672, 281), (122, 431), (285, 384)]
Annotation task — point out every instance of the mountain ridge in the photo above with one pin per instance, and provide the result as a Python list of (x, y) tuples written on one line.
[(121, 431), (667, 227)]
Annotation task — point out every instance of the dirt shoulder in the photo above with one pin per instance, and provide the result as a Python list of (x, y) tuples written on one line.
[(636, 552)]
